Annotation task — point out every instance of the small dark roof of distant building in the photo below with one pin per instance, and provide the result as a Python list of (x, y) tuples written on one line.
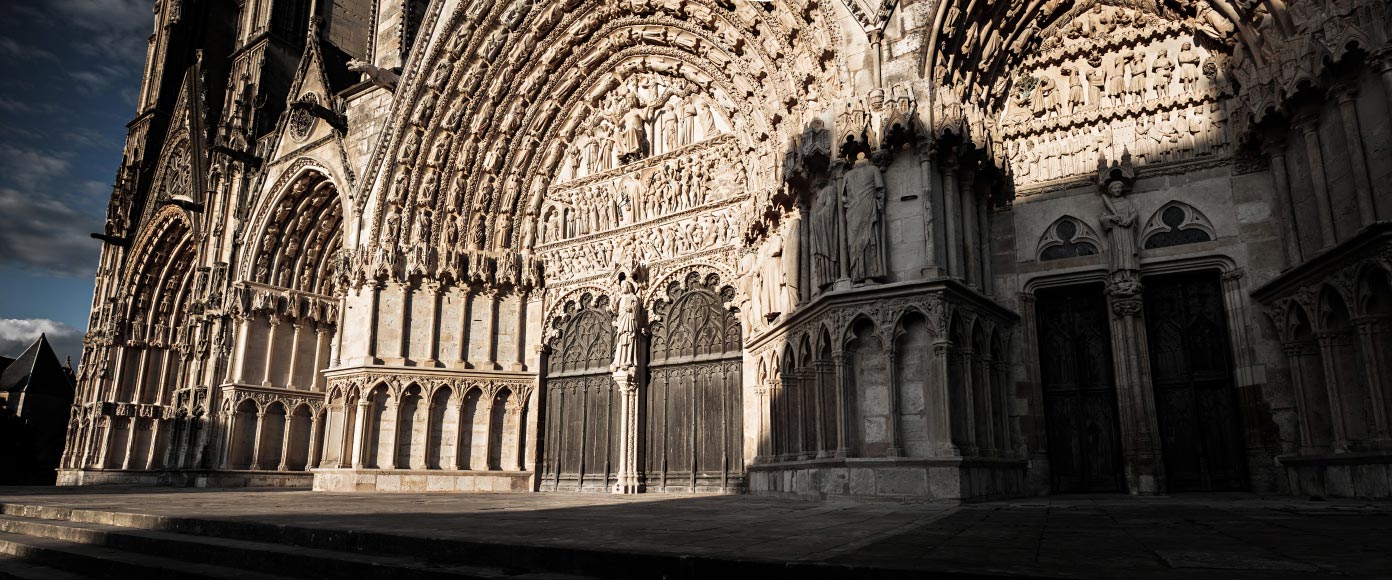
[(37, 367)]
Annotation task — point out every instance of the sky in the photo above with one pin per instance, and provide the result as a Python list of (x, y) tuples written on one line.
[(69, 74)]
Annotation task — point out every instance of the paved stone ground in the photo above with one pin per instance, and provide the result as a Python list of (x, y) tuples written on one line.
[(1185, 536)]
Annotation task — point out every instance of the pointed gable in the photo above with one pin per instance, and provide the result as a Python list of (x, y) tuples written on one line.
[(37, 372), (180, 174)]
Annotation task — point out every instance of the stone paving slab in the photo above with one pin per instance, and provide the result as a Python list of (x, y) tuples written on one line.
[(1186, 536)]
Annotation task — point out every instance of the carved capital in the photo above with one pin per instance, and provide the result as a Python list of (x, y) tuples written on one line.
[(1127, 308)]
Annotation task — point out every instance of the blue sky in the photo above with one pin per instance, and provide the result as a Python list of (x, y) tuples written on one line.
[(69, 74)]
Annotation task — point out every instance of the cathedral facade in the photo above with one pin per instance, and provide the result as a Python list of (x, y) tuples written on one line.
[(930, 249)]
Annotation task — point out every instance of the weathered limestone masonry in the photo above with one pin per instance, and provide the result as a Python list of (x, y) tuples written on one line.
[(939, 250)]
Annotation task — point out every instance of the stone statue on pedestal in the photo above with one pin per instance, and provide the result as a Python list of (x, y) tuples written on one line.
[(863, 193), (625, 329), (824, 234), (1119, 225)]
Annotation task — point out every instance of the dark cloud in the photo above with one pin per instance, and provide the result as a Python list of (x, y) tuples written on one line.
[(10, 48), (117, 28), (31, 168), (45, 235), (16, 334)]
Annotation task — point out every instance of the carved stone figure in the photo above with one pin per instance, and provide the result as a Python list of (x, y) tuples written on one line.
[(1119, 224), (824, 234), (626, 314), (862, 194), (379, 76)]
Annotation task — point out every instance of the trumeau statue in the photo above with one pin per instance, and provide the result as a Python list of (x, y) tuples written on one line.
[(863, 193), (625, 329), (1119, 224)]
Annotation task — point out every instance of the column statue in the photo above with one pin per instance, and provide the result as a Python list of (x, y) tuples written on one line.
[(626, 329), (824, 234), (863, 192), (1119, 225)]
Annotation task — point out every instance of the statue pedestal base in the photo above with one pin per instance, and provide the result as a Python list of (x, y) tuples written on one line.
[(628, 473)]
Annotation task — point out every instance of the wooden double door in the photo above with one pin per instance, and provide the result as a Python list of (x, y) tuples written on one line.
[(1191, 374), (691, 419)]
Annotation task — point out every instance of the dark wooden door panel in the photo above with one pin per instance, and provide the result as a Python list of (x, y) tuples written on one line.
[(1195, 399), (1079, 389)]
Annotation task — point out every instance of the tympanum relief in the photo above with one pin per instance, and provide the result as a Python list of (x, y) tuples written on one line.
[(1113, 81)]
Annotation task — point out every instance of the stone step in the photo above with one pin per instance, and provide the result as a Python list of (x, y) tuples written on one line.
[(263, 557), (14, 568), (104, 562), (529, 562)]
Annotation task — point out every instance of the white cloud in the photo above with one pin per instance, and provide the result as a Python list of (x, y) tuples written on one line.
[(16, 334)]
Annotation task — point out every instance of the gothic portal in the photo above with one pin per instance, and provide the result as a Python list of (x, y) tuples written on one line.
[(937, 249)]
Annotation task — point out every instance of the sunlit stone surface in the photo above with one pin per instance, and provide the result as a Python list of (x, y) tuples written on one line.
[(933, 250)]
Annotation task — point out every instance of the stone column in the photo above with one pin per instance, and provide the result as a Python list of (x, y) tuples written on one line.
[(983, 230), (1328, 343), (823, 369), (489, 317), (1140, 442), (931, 268), (316, 443), (1381, 60), (843, 426), (274, 321), (156, 429), (483, 412), (141, 375), (1346, 94), (256, 444), (433, 358), (297, 326), (103, 454), (420, 445), (452, 409), (1287, 230), (519, 362), (1036, 435), (286, 430), (971, 264), (629, 435), (1308, 125), (1368, 329), (1000, 375), (951, 214), (131, 424), (386, 434), (970, 445), (892, 429), (764, 443), (942, 421), (793, 414), (517, 407), (321, 332), (374, 318), (358, 435), (403, 290), (807, 387), (1295, 353), (982, 363)]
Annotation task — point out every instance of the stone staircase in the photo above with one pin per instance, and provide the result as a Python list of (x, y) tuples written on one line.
[(57, 543)]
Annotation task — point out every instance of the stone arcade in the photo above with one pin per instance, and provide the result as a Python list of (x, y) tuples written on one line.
[(941, 250)]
